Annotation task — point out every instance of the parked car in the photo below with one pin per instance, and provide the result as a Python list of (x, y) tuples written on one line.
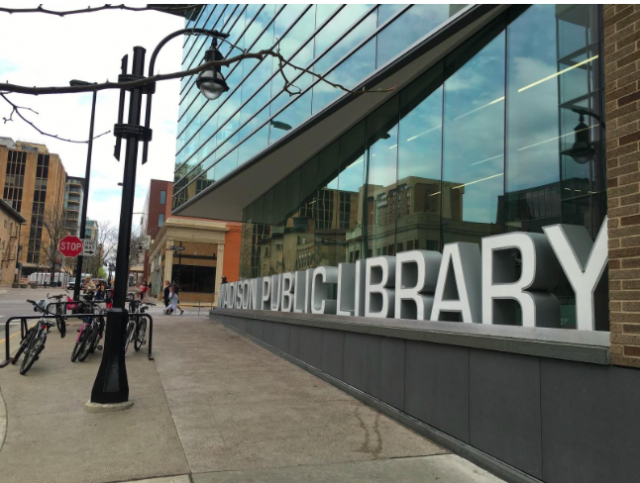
[(71, 285)]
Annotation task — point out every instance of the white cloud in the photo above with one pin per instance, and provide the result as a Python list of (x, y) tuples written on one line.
[(44, 50)]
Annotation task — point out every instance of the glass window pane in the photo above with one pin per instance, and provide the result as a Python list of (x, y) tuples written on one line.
[(348, 74), (326, 206), (411, 26), (292, 116), (351, 192), (288, 46), (341, 23), (382, 143), (419, 163), (386, 11), (473, 165)]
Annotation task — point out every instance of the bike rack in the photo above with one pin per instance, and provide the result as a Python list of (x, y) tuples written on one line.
[(24, 328)]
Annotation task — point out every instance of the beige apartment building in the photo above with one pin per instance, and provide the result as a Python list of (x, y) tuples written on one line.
[(10, 224), (33, 183)]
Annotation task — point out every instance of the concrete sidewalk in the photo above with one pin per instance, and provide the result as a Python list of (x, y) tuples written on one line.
[(214, 407)]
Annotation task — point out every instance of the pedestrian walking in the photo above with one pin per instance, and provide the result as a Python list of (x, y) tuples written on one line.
[(167, 290), (100, 292), (143, 289), (176, 291), (173, 303)]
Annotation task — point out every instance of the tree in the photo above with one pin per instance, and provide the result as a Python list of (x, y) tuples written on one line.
[(107, 242), (136, 251), (54, 221)]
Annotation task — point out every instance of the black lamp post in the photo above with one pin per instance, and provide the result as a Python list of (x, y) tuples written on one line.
[(85, 197), (111, 385)]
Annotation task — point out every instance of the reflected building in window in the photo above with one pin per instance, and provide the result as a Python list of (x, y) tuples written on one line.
[(483, 119)]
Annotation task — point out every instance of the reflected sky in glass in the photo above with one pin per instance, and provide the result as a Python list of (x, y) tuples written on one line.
[(474, 132)]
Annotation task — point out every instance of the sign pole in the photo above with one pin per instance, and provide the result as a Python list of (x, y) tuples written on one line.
[(85, 201)]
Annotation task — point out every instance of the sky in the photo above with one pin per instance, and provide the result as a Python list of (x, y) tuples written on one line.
[(44, 50)]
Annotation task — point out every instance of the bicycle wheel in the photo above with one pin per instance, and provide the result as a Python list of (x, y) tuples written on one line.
[(62, 327), (26, 342), (85, 348), (79, 343), (129, 336), (34, 350), (98, 334), (142, 332), (93, 340)]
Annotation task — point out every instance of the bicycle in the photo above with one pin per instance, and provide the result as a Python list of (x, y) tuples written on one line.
[(137, 326), (60, 310), (34, 341), (90, 332)]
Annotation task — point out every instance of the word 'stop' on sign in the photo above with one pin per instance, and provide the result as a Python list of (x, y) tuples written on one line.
[(70, 246)]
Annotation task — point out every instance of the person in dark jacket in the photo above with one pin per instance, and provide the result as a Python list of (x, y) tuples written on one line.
[(167, 288)]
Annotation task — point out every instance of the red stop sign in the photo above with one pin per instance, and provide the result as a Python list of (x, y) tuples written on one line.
[(70, 246)]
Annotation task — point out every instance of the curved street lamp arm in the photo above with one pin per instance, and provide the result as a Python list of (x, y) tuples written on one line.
[(152, 64)]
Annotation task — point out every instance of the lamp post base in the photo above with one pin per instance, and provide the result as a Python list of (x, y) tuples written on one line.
[(111, 385), (94, 408)]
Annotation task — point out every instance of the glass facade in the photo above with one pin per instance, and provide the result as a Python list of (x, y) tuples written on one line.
[(347, 43), (504, 133)]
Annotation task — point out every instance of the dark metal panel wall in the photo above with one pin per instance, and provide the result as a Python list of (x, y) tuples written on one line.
[(310, 346), (281, 337), (505, 408), (362, 362), (589, 422), (333, 353), (437, 386), (392, 366)]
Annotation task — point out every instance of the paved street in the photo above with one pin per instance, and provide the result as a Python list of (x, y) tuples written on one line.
[(213, 407)]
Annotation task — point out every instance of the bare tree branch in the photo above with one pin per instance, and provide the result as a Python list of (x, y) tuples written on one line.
[(16, 110), (260, 55), (288, 87), (40, 9)]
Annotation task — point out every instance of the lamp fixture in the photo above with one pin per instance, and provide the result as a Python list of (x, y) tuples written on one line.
[(211, 82)]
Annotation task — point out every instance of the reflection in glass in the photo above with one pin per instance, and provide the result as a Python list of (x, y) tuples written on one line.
[(292, 116), (411, 26), (352, 70), (419, 162), (381, 190), (503, 134), (473, 155), (326, 206), (351, 193)]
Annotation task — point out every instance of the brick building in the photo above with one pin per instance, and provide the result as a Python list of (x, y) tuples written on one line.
[(192, 251)]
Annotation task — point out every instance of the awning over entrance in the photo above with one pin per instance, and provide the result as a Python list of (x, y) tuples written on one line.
[(226, 199)]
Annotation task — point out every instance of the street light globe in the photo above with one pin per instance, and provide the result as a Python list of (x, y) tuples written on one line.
[(212, 84)]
